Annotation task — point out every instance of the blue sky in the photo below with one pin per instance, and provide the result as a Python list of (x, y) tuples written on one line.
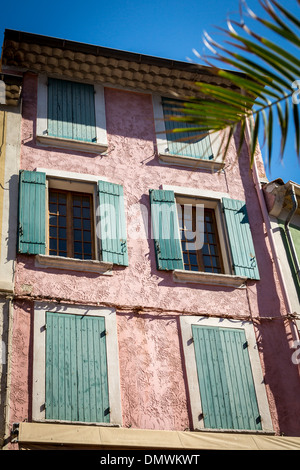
[(161, 28)]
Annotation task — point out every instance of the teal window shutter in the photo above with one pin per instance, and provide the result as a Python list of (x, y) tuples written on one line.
[(76, 386), (32, 222), (226, 384), (71, 110), (240, 238), (113, 231), (184, 143), (165, 230)]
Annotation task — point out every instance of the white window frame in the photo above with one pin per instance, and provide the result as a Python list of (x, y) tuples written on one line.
[(86, 183), (186, 323), (216, 164), (39, 356), (213, 200), (100, 146)]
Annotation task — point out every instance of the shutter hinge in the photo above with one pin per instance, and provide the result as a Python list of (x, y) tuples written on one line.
[(245, 345), (258, 419)]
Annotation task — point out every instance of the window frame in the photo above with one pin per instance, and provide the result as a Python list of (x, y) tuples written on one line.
[(75, 182), (165, 157), (42, 137), (186, 323), (212, 200), (39, 357), (69, 222), (215, 209)]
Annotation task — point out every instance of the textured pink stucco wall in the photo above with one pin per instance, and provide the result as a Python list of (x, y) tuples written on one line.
[(153, 382)]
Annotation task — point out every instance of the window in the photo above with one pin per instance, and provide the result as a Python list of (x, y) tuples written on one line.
[(183, 148), (85, 228), (71, 224), (208, 258), (202, 235), (71, 115), (75, 364), (226, 387)]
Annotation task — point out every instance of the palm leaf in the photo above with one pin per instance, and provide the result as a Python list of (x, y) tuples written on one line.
[(259, 85)]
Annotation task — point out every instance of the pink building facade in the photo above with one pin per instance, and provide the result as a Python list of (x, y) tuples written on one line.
[(155, 318)]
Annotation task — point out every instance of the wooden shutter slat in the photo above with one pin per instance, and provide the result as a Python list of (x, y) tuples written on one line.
[(165, 230), (112, 223), (240, 238), (225, 378), (76, 368), (32, 222), (71, 110)]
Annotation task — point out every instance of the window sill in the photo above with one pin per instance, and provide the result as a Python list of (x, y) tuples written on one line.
[(227, 280), (198, 163), (59, 262), (91, 147)]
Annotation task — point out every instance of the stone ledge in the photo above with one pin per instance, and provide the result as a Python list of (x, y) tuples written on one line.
[(196, 277), (58, 142), (59, 262), (196, 163)]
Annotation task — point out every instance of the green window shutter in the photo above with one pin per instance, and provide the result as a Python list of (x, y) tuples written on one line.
[(165, 230), (240, 238), (225, 378), (113, 231), (71, 110), (76, 368), (183, 143), (32, 222)]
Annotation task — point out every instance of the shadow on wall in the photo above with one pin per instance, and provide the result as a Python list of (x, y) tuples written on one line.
[(273, 334)]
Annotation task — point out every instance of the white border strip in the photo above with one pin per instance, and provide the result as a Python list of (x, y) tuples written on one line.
[(186, 323)]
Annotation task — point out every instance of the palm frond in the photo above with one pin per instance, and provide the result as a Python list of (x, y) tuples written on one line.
[(258, 84)]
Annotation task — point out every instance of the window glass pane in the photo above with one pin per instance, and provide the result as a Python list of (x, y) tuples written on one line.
[(85, 201), (87, 248), (86, 236), (62, 233), (77, 200), (53, 232), (76, 211), (53, 208), (62, 198), (62, 245), (53, 244), (77, 235), (53, 220), (77, 223), (77, 247), (85, 212), (62, 221), (62, 209), (53, 197), (87, 224)]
